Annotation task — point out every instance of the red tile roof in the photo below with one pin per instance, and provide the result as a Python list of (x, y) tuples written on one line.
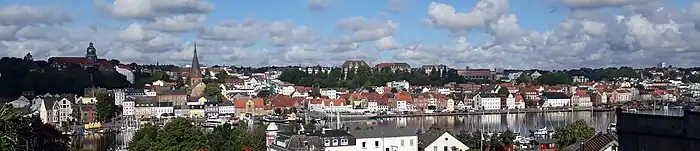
[(283, 101)]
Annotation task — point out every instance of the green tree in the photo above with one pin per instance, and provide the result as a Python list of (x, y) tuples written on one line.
[(503, 92), (572, 133), (18, 132), (523, 78), (106, 109), (144, 138), (221, 77), (178, 134), (213, 90), (508, 138)]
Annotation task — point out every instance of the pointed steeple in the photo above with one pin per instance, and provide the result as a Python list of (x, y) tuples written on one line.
[(194, 70)]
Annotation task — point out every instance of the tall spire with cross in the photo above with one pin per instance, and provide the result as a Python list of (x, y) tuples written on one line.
[(195, 73)]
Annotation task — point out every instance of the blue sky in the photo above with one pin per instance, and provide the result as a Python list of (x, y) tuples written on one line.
[(534, 21)]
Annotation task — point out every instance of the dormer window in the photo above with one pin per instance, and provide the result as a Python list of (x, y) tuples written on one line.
[(344, 142), (327, 143), (335, 142)]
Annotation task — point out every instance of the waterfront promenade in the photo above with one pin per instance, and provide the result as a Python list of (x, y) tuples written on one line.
[(488, 112)]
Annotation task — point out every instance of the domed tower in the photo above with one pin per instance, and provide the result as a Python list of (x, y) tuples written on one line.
[(270, 134), (91, 54)]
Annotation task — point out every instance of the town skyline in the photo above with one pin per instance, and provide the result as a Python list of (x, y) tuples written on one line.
[(542, 34)]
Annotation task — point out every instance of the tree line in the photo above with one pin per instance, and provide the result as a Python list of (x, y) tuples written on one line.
[(365, 77), (182, 134), (18, 75)]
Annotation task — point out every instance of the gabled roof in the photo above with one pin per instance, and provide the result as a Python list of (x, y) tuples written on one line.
[(429, 137), (555, 95), (598, 142)]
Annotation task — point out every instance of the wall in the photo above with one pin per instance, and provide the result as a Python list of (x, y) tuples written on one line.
[(388, 142), (441, 142), (641, 132)]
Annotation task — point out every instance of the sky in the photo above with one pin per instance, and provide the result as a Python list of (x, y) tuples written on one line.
[(512, 34)]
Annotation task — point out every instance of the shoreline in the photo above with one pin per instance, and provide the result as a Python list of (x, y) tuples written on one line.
[(499, 112)]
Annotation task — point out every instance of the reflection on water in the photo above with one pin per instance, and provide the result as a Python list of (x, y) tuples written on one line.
[(98, 142), (517, 122)]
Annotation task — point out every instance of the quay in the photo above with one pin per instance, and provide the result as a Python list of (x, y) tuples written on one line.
[(516, 111)]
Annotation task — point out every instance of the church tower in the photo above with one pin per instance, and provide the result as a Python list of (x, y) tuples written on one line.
[(91, 54), (195, 74)]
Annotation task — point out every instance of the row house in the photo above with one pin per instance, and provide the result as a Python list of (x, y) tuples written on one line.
[(164, 109), (194, 108), (283, 102), (145, 107), (487, 101), (88, 113), (250, 107), (403, 102), (620, 96), (530, 93), (128, 106), (581, 99), (227, 109), (58, 108), (176, 97), (599, 98), (328, 105), (119, 96)]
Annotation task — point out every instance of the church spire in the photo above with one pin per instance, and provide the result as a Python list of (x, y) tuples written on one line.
[(194, 70)]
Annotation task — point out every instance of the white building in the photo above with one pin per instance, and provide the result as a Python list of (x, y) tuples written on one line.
[(330, 93), (402, 106), (510, 102), (286, 90), (144, 108), (227, 109), (128, 107), (126, 72), (385, 139), (399, 85), (555, 99), (119, 96), (164, 108), (487, 101), (581, 100), (435, 140)]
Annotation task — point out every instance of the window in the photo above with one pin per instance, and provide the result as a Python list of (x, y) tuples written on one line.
[(364, 144), (327, 143), (376, 143), (435, 148), (387, 149), (444, 148), (410, 142), (402, 142)]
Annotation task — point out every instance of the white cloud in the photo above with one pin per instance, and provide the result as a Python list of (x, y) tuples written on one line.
[(640, 32), (318, 5)]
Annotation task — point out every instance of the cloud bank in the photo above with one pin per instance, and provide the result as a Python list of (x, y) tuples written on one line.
[(642, 33)]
